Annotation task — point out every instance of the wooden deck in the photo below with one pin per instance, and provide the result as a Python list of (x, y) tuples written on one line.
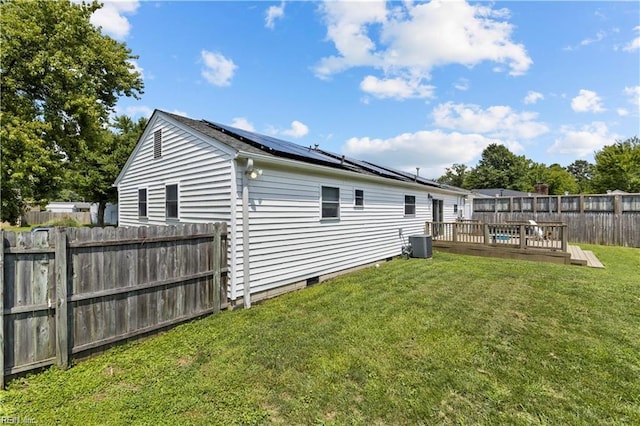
[(542, 243), (583, 257)]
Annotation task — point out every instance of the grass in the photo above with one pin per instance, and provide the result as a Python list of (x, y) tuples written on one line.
[(451, 340), (67, 222)]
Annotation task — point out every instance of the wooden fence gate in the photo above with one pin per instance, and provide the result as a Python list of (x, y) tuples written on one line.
[(67, 291)]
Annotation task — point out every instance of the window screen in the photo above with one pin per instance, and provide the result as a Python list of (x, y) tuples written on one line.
[(409, 205), (330, 202), (171, 199), (142, 202)]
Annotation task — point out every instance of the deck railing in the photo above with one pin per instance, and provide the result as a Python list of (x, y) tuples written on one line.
[(551, 236)]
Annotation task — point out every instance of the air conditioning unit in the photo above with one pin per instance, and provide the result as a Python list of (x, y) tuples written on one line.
[(421, 245)]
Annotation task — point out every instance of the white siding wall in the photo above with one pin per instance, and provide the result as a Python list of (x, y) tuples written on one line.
[(202, 172), (291, 243)]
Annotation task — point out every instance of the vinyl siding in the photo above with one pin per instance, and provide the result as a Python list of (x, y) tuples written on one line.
[(291, 243), (202, 172)]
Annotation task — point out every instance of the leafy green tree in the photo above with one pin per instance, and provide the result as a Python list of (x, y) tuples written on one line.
[(555, 176), (582, 171), (499, 168), (455, 175), (98, 168), (560, 180), (618, 167), (61, 78)]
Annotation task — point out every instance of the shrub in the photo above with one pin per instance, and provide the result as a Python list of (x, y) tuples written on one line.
[(67, 222)]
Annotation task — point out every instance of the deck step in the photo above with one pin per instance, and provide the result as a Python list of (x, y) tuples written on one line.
[(592, 260), (583, 257), (577, 256)]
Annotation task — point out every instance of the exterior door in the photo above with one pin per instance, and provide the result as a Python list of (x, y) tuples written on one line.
[(437, 216)]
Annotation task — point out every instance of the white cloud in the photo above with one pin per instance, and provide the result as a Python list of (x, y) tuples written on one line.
[(431, 150), (297, 130), (178, 112), (136, 68), (462, 84), (111, 17), (397, 88), (407, 39), (622, 112), (273, 13), (633, 44), (533, 97), (634, 95), (242, 123), (217, 70), (587, 101), (496, 121), (600, 35), (138, 111), (583, 141)]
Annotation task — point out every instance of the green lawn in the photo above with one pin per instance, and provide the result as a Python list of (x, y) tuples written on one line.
[(451, 340)]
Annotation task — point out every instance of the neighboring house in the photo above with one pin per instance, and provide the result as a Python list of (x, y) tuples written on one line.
[(67, 207), (295, 215), (110, 214)]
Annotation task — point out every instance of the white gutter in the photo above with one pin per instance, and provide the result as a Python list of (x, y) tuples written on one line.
[(297, 164)]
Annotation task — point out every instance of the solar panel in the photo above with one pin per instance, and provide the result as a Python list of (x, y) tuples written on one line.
[(272, 144), (409, 176), (292, 150), (375, 169)]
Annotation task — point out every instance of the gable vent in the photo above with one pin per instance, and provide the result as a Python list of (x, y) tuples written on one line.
[(157, 144)]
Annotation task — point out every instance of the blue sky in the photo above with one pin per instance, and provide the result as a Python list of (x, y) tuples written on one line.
[(406, 84)]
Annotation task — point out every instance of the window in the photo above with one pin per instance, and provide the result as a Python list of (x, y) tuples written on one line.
[(157, 144), (142, 202), (330, 202), (409, 205), (171, 200), (359, 198), (455, 208)]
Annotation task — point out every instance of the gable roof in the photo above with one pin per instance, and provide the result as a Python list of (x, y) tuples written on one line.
[(250, 142)]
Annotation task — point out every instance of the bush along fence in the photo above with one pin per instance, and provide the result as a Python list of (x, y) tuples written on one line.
[(593, 219), (69, 291)]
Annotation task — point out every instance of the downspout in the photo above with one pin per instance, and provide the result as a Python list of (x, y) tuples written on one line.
[(245, 241)]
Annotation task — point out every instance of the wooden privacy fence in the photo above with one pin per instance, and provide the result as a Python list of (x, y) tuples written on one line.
[(71, 290), (36, 218), (593, 219)]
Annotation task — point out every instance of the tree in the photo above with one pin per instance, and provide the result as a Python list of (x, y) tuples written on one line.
[(560, 180), (61, 78), (582, 171), (100, 166), (455, 175), (499, 168), (618, 167)]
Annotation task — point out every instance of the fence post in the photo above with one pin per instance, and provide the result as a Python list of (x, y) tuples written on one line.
[(455, 232), (1, 309), (216, 255), (487, 239), (523, 237), (62, 318)]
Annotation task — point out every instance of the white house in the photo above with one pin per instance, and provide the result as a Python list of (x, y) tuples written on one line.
[(67, 207), (295, 215)]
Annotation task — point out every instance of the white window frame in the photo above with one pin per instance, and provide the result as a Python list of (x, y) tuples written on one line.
[(356, 198), (166, 210), (331, 202), (406, 204), (146, 202)]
